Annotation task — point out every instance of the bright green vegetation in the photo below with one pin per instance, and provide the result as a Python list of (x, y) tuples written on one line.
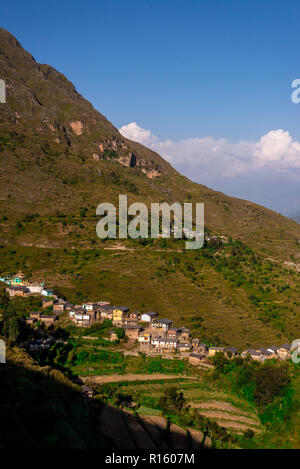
[(273, 389), (90, 360)]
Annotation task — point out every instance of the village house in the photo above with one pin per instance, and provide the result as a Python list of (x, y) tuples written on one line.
[(17, 291), (144, 339), (132, 332), (47, 292), (162, 324), (174, 332), (19, 280), (195, 358), (135, 315), (183, 347), (270, 353), (119, 314), (184, 335), (59, 306), (149, 317), (47, 320), (273, 349), (284, 352), (257, 356), (199, 347), (89, 306), (130, 322), (163, 344), (106, 312), (230, 352), (265, 354), (82, 319), (75, 310), (92, 314), (261, 354), (213, 350)]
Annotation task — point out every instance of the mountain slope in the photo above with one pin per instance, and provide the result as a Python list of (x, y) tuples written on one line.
[(58, 153), (60, 158)]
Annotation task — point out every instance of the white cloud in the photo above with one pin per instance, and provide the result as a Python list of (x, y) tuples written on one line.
[(276, 150), (138, 134), (266, 171)]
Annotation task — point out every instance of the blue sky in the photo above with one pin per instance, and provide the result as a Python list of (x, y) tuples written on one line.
[(183, 70)]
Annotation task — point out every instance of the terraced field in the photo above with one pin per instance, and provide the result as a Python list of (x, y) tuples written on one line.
[(229, 416), (131, 377), (228, 411)]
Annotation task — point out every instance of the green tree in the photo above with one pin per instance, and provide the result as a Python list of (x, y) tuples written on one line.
[(219, 361), (172, 400), (13, 329), (271, 380)]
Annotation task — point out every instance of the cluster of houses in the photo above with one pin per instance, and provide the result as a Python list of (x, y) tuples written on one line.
[(282, 352), (153, 335), (45, 319)]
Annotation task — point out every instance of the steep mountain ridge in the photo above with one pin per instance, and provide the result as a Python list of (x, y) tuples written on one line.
[(58, 154), (43, 97)]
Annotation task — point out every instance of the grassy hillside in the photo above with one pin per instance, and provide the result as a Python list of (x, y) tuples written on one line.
[(225, 295), (60, 158)]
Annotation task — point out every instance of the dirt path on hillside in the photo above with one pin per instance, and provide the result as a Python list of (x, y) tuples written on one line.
[(239, 427), (121, 247), (130, 377), (226, 416), (222, 406)]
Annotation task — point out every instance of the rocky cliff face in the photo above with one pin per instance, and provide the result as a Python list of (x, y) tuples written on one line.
[(42, 103)]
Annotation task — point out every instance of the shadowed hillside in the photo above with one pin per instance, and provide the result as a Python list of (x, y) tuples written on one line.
[(40, 408)]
